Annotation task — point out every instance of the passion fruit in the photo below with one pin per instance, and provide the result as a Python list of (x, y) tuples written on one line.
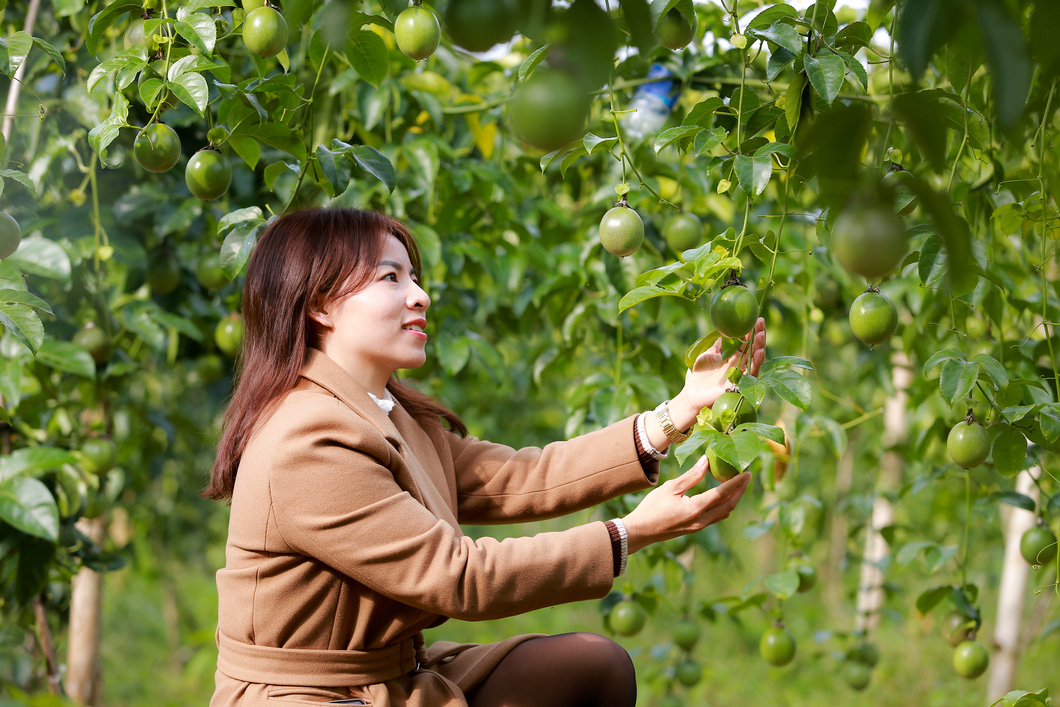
[(621, 230), (734, 311)]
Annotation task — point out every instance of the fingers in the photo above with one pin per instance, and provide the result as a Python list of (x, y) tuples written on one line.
[(691, 477), (720, 508)]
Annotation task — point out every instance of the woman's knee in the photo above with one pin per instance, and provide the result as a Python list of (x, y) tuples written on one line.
[(604, 656)]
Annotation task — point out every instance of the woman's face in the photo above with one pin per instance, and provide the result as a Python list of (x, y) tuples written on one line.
[(380, 328)]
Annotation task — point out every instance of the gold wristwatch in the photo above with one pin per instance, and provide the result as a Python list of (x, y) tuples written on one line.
[(662, 414)]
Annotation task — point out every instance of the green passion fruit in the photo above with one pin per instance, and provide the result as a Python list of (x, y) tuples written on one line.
[(627, 618), (163, 272), (869, 241), (1038, 545), (856, 674), (873, 317), (208, 174), (209, 273), (734, 311), (417, 32), (777, 646), (805, 570), (265, 32), (720, 469), (683, 231), (10, 235), (686, 634), (621, 231), (688, 672), (99, 455), (477, 25), (674, 31), (970, 659), (968, 444), (229, 334), (157, 148), (955, 626), (94, 340), (742, 408), (548, 110)]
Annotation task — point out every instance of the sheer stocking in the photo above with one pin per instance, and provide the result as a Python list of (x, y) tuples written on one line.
[(568, 670)]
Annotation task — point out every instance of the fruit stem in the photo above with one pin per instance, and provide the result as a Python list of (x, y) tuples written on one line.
[(967, 526)]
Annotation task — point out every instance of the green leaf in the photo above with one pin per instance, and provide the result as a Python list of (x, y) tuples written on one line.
[(782, 585), (247, 148), (739, 448), (793, 100), (29, 506), (1049, 421), (367, 53), (1013, 498), (753, 173), (910, 551), (930, 599), (23, 323), (102, 20), (639, 21), (923, 27), (673, 134), (856, 35), (708, 140), (200, 31), (1006, 57), (779, 362), (531, 62), (336, 167), (769, 16), (191, 89), (242, 235), (941, 357), (375, 163), (642, 294), (454, 353), (101, 136), (957, 379), (1010, 450), (570, 158), (834, 435), (31, 461), (67, 357), (793, 388), (590, 142), (932, 264), (994, 369), (782, 34), (826, 72), (702, 113), (13, 51), (51, 51)]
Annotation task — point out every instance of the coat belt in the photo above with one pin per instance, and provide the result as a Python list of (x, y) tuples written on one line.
[(305, 667)]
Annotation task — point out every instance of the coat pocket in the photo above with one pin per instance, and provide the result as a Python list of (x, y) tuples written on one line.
[(311, 696)]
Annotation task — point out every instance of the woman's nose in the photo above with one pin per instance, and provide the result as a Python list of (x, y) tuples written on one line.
[(418, 298)]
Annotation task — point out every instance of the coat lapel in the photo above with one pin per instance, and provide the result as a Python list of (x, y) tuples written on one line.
[(421, 467), (329, 375)]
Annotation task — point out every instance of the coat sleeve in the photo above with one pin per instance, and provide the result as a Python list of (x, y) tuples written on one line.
[(335, 497), (498, 484)]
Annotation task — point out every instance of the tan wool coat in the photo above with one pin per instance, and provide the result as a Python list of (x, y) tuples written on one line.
[(344, 544)]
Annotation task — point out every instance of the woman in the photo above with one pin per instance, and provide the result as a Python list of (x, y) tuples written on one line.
[(344, 541)]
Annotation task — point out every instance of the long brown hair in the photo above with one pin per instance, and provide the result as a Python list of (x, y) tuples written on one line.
[(304, 260)]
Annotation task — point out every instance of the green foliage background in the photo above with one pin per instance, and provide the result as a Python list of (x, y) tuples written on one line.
[(536, 332)]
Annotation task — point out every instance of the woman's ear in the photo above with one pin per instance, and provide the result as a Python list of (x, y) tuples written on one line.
[(320, 315)]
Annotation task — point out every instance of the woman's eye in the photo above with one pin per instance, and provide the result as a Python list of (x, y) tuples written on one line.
[(390, 276)]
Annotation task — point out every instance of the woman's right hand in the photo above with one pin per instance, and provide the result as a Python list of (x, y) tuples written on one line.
[(666, 512)]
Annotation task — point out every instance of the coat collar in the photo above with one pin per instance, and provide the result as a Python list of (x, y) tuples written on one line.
[(329, 375)]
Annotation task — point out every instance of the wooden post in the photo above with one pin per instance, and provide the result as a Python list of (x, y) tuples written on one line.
[(870, 586), (1014, 574), (86, 623)]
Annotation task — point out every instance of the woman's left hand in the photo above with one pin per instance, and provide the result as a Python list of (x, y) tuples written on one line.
[(708, 377)]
